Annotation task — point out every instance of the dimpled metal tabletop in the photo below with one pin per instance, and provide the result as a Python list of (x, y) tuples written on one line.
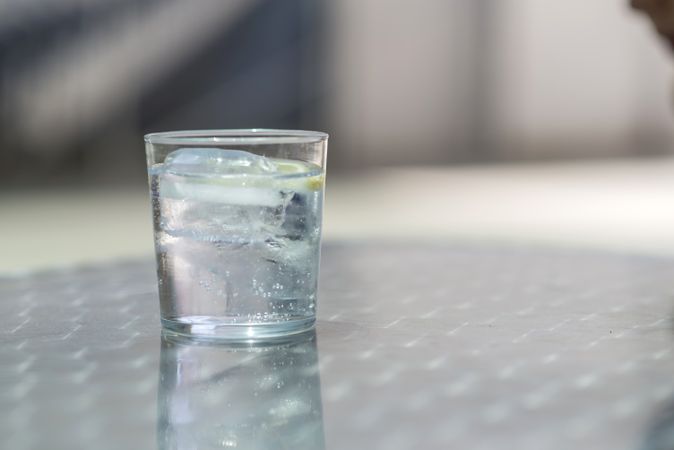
[(416, 346)]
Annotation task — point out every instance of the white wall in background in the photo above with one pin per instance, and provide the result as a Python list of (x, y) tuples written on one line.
[(395, 70), (572, 78), (590, 74)]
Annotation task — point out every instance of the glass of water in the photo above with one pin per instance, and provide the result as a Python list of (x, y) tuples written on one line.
[(237, 230)]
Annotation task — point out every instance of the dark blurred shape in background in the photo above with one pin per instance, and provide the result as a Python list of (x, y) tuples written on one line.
[(82, 81)]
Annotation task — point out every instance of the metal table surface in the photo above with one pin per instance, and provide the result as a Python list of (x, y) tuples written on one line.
[(415, 347)]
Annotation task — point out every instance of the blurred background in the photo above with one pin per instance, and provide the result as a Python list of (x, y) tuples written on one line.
[(499, 121)]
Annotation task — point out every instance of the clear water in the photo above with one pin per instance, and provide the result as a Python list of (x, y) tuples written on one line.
[(237, 239)]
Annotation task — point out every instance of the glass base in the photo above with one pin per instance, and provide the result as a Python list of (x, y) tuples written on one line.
[(211, 330)]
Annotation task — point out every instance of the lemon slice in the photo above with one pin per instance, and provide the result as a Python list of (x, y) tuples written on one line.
[(309, 176), (244, 189), (287, 167), (315, 183)]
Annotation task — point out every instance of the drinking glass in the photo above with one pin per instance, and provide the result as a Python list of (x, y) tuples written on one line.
[(237, 229)]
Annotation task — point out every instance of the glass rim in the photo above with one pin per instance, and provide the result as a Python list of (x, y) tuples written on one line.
[(235, 136)]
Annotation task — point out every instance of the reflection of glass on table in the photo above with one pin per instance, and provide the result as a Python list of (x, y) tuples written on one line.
[(244, 396)]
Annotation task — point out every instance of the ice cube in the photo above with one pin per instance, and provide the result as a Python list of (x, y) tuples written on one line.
[(214, 161), (297, 217), (219, 176), (198, 190)]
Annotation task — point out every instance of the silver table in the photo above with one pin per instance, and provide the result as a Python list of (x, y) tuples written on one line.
[(416, 347)]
